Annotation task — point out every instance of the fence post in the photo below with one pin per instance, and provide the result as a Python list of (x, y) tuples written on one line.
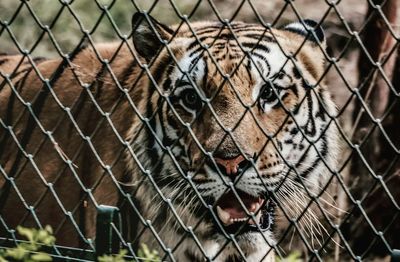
[(107, 241), (395, 255)]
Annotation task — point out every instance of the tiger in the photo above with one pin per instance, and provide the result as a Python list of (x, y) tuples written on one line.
[(203, 134)]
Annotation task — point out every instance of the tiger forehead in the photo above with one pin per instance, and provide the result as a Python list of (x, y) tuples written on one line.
[(206, 31), (228, 47), (223, 70), (239, 57), (240, 78)]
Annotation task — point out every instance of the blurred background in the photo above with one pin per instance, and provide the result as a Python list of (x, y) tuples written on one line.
[(68, 22), (359, 33)]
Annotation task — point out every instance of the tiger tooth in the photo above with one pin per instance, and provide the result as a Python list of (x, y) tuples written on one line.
[(224, 216), (257, 207)]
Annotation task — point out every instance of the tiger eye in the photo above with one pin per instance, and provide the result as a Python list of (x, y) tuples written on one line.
[(191, 99), (267, 94)]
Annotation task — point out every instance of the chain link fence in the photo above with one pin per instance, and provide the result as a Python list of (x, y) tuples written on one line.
[(82, 141)]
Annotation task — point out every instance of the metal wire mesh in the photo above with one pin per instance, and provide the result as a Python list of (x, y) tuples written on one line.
[(57, 166)]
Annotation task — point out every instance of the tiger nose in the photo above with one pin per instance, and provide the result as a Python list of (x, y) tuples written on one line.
[(231, 165)]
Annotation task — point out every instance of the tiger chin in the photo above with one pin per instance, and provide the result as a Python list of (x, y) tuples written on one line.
[(222, 128)]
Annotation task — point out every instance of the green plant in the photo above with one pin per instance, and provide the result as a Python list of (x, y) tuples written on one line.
[(30, 250), (114, 258), (144, 254), (294, 256), (148, 255)]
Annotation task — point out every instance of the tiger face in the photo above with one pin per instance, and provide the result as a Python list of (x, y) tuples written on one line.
[(240, 123)]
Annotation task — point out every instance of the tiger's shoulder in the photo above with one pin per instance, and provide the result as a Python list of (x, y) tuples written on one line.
[(109, 66)]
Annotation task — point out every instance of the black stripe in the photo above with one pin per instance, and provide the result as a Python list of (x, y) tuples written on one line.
[(306, 84), (160, 112), (220, 44), (4, 60), (255, 46), (167, 85), (208, 31), (309, 127), (205, 77), (20, 72), (248, 68), (259, 56), (302, 32), (227, 36), (127, 72), (260, 37), (323, 152), (214, 27), (240, 26), (322, 105), (194, 52), (306, 33), (198, 42), (21, 82), (279, 104), (294, 90), (265, 62), (219, 59), (174, 122), (254, 29), (39, 59), (159, 70), (297, 109), (296, 72)]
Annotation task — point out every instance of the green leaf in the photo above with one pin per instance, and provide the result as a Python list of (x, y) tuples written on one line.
[(147, 255), (17, 253), (294, 256), (41, 257), (26, 232), (105, 258), (23, 251), (49, 229), (41, 235), (114, 258), (50, 240)]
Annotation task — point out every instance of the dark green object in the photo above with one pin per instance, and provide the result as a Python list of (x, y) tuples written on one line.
[(395, 255), (107, 240)]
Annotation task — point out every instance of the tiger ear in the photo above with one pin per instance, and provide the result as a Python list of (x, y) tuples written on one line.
[(148, 35), (308, 28)]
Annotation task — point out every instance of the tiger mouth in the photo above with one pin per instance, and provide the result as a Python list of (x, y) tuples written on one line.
[(234, 217)]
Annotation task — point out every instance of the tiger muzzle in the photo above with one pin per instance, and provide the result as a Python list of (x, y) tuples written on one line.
[(237, 210)]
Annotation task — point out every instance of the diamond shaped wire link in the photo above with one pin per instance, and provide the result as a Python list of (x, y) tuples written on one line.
[(333, 233)]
